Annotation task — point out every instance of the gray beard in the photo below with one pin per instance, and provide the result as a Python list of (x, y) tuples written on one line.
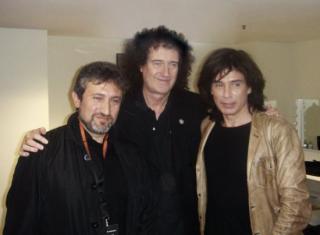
[(90, 126)]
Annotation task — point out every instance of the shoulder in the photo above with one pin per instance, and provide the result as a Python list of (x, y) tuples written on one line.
[(262, 121), (188, 101), (56, 133), (55, 137), (206, 123), (186, 94)]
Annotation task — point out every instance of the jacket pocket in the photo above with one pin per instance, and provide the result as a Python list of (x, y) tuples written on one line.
[(263, 171)]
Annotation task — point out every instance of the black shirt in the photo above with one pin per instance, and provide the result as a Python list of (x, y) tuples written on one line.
[(164, 172), (226, 166), (169, 146), (115, 184)]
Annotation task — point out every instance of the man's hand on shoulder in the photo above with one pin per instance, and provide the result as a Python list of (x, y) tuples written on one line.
[(33, 141), (271, 111)]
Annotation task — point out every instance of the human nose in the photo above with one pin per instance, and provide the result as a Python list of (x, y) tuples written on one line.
[(106, 107), (226, 91), (165, 69)]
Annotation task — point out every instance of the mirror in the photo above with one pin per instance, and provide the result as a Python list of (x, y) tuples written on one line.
[(308, 122)]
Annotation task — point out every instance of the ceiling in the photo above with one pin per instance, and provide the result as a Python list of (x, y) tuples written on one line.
[(212, 21)]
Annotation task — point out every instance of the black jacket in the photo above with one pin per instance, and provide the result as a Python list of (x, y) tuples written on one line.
[(50, 192), (177, 209)]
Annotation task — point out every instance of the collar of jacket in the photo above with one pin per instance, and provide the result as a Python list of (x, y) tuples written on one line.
[(74, 130)]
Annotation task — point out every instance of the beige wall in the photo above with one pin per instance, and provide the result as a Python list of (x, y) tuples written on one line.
[(201, 50), (277, 62), (23, 95)]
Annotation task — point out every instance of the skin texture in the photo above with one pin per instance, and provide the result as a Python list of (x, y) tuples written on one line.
[(230, 94), (98, 108), (159, 76)]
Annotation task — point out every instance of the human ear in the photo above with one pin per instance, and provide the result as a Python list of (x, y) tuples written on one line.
[(76, 100)]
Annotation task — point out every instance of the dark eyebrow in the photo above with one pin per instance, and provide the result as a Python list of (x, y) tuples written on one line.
[(98, 94)]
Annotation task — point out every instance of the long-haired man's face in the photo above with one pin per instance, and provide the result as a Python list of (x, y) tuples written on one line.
[(230, 94)]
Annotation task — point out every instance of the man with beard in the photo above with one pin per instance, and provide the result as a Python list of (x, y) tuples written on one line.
[(162, 118), (85, 181)]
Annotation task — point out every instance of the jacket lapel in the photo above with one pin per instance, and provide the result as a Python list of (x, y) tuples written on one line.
[(206, 129), (254, 140)]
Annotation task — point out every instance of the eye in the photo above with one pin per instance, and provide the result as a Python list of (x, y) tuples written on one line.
[(97, 98), (173, 65), (116, 100), (237, 83), (157, 63)]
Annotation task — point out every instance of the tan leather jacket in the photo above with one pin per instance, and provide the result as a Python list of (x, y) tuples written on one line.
[(278, 196)]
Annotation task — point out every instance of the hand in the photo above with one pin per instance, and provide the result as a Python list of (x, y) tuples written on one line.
[(33, 141), (271, 111)]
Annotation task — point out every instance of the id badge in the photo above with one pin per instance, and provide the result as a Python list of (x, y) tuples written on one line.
[(112, 229)]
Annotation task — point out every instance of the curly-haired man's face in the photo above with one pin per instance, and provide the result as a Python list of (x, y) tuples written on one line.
[(160, 71)]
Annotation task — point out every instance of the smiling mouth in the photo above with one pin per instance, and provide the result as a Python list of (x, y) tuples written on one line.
[(163, 80)]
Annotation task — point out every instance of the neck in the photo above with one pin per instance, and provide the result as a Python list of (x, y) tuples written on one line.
[(156, 102), (237, 120), (97, 138)]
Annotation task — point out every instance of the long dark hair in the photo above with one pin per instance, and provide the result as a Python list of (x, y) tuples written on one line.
[(221, 62)]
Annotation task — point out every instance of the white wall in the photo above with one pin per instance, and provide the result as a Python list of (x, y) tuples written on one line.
[(23, 95)]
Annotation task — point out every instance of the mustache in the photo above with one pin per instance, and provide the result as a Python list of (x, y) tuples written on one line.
[(106, 116)]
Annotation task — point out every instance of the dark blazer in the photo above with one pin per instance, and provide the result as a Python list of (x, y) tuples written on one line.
[(186, 110), (49, 193)]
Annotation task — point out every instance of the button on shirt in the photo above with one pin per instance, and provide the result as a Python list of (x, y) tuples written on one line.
[(164, 169)]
